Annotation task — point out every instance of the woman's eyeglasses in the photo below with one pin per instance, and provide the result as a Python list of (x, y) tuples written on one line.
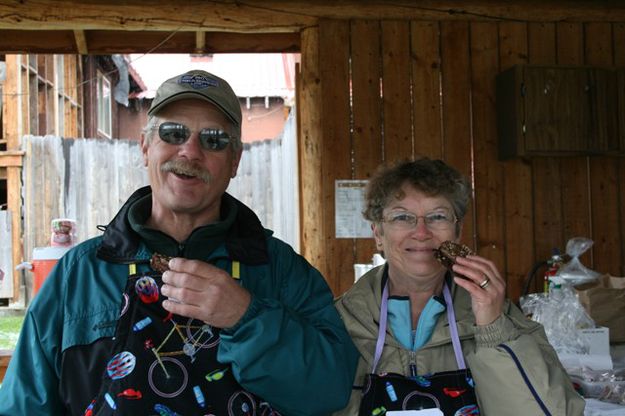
[(213, 140), (434, 221)]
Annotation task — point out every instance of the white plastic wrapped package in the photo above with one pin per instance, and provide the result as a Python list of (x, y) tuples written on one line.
[(574, 272), (562, 315)]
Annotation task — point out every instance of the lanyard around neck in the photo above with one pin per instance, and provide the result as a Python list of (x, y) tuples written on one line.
[(451, 318)]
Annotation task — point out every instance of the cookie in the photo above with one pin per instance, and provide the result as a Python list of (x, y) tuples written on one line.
[(160, 262), (447, 252)]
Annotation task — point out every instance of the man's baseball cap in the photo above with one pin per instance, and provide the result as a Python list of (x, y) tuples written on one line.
[(201, 85)]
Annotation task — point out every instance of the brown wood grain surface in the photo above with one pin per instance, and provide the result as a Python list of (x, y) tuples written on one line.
[(11, 128), (488, 172), (366, 70), (426, 78), (598, 50), (575, 189), (523, 208), (618, 32), (517, 185), (396, 90), (310, 150), (336, 140), (546, 170), (456, 88)]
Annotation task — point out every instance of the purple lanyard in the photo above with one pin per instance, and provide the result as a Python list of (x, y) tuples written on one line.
[(451, 318)]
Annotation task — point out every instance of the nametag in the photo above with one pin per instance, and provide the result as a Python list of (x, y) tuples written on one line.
[(424, 412)]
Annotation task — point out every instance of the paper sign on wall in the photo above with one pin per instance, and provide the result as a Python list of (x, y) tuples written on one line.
[(348, 206)]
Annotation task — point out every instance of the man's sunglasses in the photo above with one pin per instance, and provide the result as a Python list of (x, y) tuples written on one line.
[(213, 140)]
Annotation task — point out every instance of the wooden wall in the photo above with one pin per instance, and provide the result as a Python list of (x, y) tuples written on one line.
[(438, 99)]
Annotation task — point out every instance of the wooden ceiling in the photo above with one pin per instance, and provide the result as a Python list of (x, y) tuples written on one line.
[(204, 26)]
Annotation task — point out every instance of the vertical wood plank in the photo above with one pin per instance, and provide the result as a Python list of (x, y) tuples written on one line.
[(309, 147), (336, 145), (367, 111), (11, 128), (618, 30), (518, 201), (489, 224), (456, 87), (25, 96), (603, 170), (573, 170), (546, 171), (426, 78), (396, 90)]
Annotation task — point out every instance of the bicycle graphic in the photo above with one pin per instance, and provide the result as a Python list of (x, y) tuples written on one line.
[(167, 376)]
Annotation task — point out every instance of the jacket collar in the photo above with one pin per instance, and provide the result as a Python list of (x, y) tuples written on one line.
[(246, 240), (360, 306)]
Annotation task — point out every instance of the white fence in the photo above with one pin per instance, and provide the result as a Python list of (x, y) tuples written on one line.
[(88, 180), (267, 182)]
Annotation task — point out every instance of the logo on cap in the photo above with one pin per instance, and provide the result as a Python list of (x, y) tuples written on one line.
[(198, 82)]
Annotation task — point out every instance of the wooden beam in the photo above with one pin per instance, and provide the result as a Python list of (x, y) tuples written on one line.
[(81, 42), (37, 41), (200, 41), (255, 16), (106, 42), (12, 158)]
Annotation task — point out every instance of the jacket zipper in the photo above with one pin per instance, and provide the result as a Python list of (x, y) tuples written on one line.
[(413, 364)]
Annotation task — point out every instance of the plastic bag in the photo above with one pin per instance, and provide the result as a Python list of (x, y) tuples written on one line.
[(574, 272), (562, 315), (605, 385)]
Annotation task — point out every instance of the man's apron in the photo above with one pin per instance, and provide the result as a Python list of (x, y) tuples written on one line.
[(166, 365), (452, 392)]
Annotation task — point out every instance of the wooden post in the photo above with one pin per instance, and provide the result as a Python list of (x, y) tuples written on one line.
[(311, 245), (11, 120)]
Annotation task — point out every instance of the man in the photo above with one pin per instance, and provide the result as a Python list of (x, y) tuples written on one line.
[(235, 323)]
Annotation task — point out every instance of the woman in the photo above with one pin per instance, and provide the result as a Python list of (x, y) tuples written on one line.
[(432, 337)]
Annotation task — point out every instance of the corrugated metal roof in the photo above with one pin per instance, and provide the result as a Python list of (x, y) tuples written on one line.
[(250, 75)]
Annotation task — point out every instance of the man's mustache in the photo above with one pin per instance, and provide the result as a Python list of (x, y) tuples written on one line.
[(182, 167)]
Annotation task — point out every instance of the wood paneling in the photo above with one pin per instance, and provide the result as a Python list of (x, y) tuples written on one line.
[(546, 178), (426, 91), (397, 110), (517, 181), (598, 50), (619, 60), (456, 114), (489, 223), (335, 163), (574, 190), (523, 208), (366, 75)]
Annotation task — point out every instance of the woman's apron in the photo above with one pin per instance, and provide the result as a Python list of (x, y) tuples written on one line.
[(452, 392), (166, 365)]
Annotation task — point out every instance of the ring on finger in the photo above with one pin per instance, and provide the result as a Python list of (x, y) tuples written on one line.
[(485, 283)]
